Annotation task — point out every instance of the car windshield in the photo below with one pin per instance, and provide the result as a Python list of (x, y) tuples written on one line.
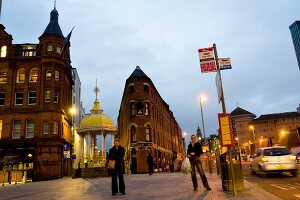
[(276, 152)]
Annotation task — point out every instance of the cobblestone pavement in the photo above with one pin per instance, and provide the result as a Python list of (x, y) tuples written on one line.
[(163, 186)]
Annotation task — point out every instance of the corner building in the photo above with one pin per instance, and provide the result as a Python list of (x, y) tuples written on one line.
[(147, 125), (35, 97)]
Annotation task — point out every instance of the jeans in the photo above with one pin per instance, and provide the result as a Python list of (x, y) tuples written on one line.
[(197, 164), (114, 184)]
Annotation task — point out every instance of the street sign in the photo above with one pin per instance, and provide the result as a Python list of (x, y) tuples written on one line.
[(224, 63), (67, 151), (207, 60), (226, 135), (219, 88)]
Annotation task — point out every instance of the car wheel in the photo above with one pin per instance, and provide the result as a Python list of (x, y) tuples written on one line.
[(294, 173), (261, 173), (252, 171)]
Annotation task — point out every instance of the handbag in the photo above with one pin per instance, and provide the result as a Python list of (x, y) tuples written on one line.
[(111, 164)]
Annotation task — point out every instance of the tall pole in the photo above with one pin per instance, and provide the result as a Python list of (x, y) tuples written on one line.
[(224, 112), (202, 121)]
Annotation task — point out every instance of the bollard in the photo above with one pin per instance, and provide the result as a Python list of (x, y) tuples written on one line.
[(24, 177)]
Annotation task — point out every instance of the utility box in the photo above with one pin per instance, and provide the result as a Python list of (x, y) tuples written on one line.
[(226, 172)]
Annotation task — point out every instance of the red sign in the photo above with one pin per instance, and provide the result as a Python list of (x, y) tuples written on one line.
[(207, 60), (226, 136)]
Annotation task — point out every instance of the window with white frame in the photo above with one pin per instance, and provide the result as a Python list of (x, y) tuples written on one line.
[(21, 75), (48, 75), (19, 98), (55, 127), (33, 75), (2, 98), (146, 108), (47, 96), (132, 107), (148, 129), (56, 75), (46, 127), (31, 97), (16, 132), (58, 50), (49, 47), (29, 129), (56, 97)]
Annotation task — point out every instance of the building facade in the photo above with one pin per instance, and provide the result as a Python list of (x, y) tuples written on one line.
[(295, 32), (274, 128), (35, 98), (243, 136), (147, 125)]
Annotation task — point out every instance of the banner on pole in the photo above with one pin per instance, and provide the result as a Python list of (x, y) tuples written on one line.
[(219, 87), (207, 60), (226, 135), (224, 63)]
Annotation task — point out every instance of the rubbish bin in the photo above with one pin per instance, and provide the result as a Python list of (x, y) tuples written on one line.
[(226, 173)]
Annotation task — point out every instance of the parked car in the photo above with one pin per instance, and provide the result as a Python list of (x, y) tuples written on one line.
[(273, 160), (297, 157)]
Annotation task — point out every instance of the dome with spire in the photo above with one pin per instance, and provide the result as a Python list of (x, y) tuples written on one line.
[(53, 27), (97, 120)]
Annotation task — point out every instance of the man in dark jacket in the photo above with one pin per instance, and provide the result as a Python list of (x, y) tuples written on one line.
[(117, 153), (150, 163), (193, 153)]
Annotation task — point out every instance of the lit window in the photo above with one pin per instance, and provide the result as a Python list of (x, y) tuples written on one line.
[(33, 75), (56, 97), (2, 98), (55, 127), (49, 47), (3, 75), (56, 75), (31, 98), (19, 98), (16, 132), (58, 50), (47, 96), (3, 51), (148, 133), (46, 127), (133, 133), (0, 128), (29, 129), (48, 74), (21, 75)]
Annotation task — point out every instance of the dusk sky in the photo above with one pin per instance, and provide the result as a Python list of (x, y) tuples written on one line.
[(110, 38)]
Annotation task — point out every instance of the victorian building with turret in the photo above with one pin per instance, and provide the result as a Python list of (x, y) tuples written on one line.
[(35, 98)]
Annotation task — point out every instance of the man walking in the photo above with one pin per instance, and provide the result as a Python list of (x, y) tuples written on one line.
[(193, 153), (150, 163)]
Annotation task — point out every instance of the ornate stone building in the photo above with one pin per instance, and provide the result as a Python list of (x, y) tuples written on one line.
[(35, 97), (147, 125)]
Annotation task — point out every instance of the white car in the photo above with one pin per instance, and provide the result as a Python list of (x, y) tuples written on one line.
[(273, 159)]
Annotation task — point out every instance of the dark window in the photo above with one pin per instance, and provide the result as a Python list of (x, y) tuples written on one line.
[(133, 133), (139, 107), (19, 98), (146, 88), (132, 107), (2, 98), (31, 97), (131, 89), (56, 97)]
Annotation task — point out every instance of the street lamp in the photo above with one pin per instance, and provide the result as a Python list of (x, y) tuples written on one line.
[(202, 98), (254, 137), (72, 112)]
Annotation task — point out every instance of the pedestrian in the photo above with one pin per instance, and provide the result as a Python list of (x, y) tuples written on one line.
[(193, 153), (150, 163), (117, 153)]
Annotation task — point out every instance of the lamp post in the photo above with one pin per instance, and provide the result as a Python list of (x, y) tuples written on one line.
[(72, 112), (202, 98), (254, 137)]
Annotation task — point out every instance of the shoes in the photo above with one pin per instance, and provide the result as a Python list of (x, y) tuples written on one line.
[(113, 193), (123, 193), (195, 189), (208, 188)]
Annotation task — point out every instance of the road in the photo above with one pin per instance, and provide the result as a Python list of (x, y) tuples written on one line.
[(282, 185)]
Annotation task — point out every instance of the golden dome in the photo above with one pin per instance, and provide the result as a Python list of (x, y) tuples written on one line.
[(96, 120)]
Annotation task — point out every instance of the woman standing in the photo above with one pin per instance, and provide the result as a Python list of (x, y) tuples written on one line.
[(117, 153)]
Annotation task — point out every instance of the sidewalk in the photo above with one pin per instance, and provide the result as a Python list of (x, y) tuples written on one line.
[(159, 186)]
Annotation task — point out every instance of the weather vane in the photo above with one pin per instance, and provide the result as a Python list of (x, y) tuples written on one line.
[(96, 90)]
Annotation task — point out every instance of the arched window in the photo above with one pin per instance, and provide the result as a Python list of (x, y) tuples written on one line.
[(133, 133), (3, 51), (21, 75), (148, 133), (3, 75), (33, 75)]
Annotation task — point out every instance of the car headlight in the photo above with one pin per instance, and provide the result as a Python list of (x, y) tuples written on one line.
[(292, 157), (264, 159)]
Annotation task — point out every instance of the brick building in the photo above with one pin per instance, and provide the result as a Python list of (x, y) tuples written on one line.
[(35, 97), (147, 125)]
